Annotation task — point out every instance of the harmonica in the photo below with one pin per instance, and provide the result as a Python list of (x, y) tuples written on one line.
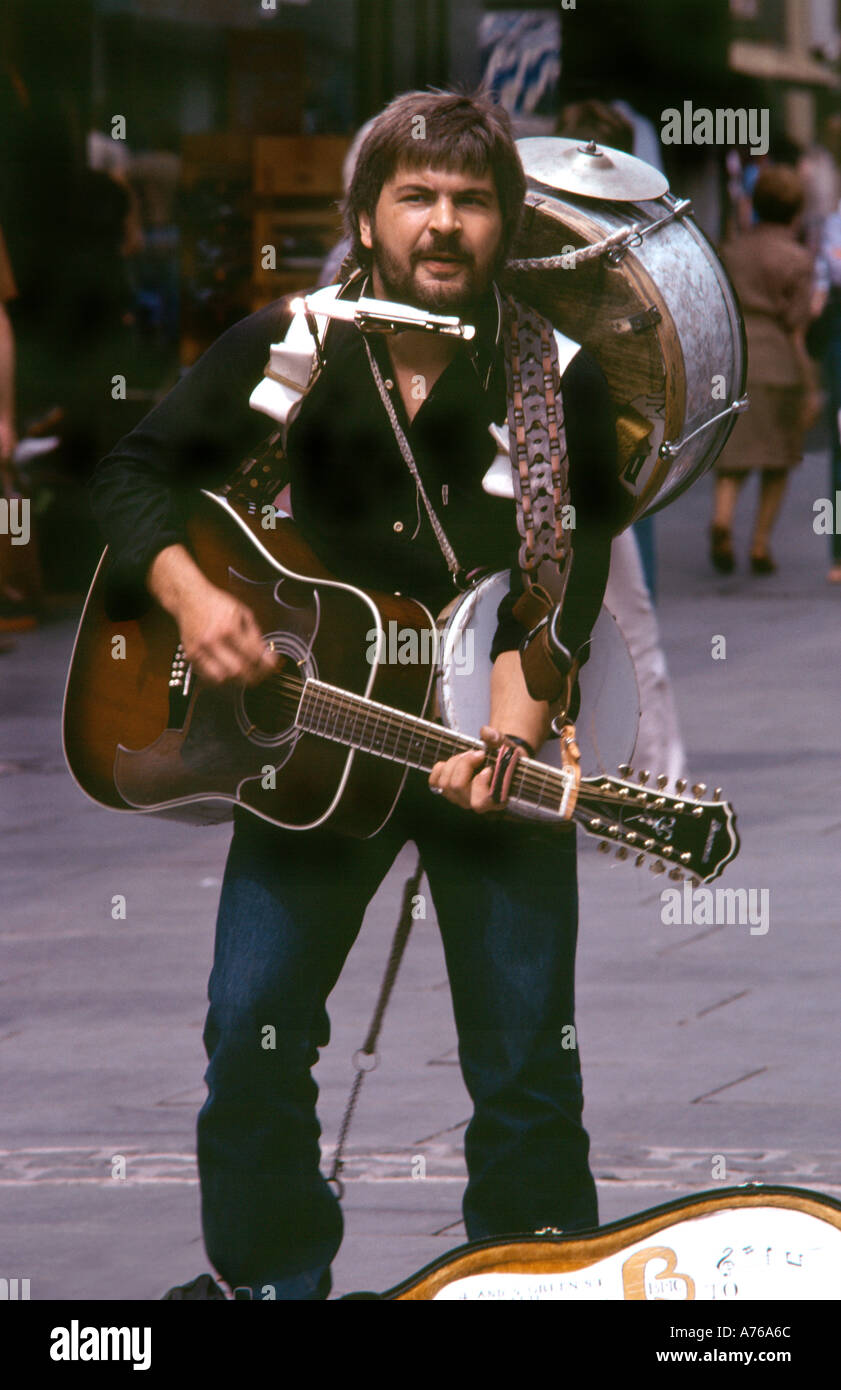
[(382, 316)]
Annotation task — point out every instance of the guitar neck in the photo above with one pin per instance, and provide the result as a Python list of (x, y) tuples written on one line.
[(691, 837), (359, 723)]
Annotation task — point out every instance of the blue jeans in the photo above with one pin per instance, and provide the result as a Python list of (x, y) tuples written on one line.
[(290, 909)]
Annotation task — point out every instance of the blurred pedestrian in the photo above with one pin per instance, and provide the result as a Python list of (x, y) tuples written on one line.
[(18, 570), (773, 277), (8, 290), (828, 300)]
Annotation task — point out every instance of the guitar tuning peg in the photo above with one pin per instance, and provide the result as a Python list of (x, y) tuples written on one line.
[(680, 786), (662, 780), (621, 853), (657, 867), (625, 770), (717, 794), (643, 777), (639, 861), (699, 788), (604, 847), (676, 875)]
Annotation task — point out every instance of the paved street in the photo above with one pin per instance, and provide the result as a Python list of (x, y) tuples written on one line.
[(697, 1042)]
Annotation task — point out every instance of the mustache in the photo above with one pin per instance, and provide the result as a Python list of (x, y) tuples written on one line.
[(445, 250)]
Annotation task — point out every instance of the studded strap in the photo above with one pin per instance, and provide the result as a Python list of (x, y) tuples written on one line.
[(540, 464)]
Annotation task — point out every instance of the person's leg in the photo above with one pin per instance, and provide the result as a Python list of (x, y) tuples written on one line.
[(659, 744), (772, 488), (727, 489), (507, 905), (290, 909)]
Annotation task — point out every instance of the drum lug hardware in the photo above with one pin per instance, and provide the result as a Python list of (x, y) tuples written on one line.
[(638, 323), (670, 449), (638, 232)]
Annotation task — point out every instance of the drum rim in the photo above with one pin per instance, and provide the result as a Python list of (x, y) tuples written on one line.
[(666, 336), (580, 212)]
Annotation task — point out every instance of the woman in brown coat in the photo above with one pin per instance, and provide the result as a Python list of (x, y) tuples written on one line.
[(772, 275)]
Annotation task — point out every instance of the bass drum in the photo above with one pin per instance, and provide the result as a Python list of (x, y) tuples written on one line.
[(659, 315), (608, 720)]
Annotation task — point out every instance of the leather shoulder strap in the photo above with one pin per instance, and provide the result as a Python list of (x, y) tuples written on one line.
[(535, 357)]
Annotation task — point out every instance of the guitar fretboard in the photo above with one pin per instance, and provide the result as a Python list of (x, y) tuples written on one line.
[(363, 724)]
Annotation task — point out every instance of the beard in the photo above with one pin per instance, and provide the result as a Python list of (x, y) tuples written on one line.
[(404, 282)]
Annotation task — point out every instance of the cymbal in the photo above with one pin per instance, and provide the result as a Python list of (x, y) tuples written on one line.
[(596, 171)]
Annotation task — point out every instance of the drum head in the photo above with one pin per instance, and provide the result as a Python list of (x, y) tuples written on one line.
[(609, 717)]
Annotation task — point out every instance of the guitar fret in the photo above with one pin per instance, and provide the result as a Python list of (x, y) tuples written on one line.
[(351, 716), (542, 789), (355, 721)]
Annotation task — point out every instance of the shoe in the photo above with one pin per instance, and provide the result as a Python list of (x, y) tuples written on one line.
[(761, 562), (721, 549)]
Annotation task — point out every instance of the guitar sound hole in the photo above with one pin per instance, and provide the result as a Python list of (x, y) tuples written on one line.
[(267, 717), (266, 712)]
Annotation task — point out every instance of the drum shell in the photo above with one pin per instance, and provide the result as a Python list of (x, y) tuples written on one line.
[(662, 320)]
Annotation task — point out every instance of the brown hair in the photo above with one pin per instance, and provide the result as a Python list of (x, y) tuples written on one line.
[(460, 131), (778, 195)]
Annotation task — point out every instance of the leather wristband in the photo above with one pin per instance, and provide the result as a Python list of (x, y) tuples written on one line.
[(519, 743)]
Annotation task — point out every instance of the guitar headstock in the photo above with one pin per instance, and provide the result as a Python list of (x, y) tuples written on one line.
[(684, 836)]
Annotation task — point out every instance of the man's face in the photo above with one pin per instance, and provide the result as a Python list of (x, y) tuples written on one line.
[(435, 238)]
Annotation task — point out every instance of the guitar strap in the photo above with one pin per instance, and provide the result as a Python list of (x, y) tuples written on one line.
[(256, 480), (539, 459)]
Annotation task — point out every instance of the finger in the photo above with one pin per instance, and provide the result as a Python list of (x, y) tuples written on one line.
[(221, 654), (480, 793), (260, 670), (464, 768), (210, 669), (248, 651)]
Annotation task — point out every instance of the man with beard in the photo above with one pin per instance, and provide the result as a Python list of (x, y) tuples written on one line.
[(432, 210)]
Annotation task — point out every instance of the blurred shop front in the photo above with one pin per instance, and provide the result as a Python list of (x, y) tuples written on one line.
[(170, 165)]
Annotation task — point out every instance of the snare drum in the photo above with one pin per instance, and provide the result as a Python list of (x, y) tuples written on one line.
[(659, 315)]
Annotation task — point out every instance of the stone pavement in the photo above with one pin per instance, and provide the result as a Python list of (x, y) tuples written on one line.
[(708, 1052)]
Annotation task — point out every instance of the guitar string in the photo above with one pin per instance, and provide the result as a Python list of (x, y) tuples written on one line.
[(333, 703), (528, 782), (336, 704)]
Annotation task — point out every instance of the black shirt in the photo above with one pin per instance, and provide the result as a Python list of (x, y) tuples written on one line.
[(353, 497)]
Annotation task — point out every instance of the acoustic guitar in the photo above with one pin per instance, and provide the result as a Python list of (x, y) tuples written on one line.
[(333, 733)]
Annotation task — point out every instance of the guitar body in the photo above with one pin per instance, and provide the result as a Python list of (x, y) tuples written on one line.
[(332, 734), (142, 733)]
